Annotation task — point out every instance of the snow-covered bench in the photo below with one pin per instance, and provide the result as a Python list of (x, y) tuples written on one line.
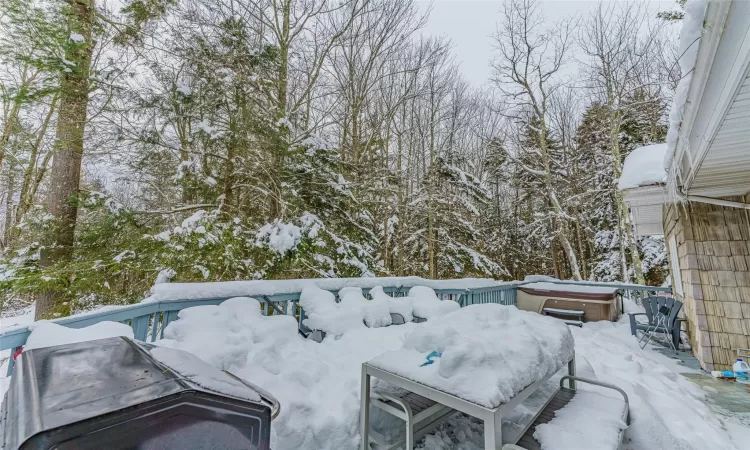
[(577, 314), (483, 360), (326, 316), (426, 304)]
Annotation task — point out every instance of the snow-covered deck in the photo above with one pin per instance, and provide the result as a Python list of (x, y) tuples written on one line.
[(318, 384)]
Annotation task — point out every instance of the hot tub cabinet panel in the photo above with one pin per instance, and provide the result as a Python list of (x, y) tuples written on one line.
[(596, 306)]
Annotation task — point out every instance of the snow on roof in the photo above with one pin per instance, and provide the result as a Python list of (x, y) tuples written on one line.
[(259, 288), (644, 167), (690, 33)]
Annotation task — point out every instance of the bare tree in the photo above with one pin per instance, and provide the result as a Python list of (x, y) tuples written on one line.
[(621, 62), (529, 58)]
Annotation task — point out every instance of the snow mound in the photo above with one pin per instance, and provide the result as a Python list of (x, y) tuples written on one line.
[(489, 352), (667, 410), (376, 314), (244, 327), (48, 334), (317, 384), (323, 313), (204, 375), (565, 430), (396, 305), (427, 305), (356, 311), (644, 166)]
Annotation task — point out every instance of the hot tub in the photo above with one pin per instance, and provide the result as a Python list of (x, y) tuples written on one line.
[(597, 303)]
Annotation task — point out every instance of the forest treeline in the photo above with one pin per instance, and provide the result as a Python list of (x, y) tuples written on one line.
[(192, 140)]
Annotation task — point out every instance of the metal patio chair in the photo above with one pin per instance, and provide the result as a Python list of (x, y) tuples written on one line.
[(661, 313)]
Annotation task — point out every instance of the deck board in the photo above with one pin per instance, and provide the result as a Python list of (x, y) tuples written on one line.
[(561, 399), (416, 402)]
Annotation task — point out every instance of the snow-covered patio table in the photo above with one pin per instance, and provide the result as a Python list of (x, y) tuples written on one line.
[(486, 360)]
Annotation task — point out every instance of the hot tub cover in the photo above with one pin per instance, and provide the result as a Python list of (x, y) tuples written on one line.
[(572, 291)]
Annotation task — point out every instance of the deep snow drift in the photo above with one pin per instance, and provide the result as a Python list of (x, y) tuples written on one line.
[(668, 412)]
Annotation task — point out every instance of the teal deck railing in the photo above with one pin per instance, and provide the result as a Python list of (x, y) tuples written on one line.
[(149, 320)]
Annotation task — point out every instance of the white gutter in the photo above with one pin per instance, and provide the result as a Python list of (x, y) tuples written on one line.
[(717, 201), (685, 93)]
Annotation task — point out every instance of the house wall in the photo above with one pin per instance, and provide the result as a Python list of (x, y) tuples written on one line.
[(713, 249)]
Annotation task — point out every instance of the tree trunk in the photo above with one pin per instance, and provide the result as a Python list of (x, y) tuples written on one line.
[(581, 252), (8, 223), (26, 197), (555, 263), (431, 250), (66, 163), (282, 82), (562, 230), (569, 252), (621, 244), (12, 119), (634, 255)]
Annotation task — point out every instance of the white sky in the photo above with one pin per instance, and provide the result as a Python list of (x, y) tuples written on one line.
[(470, 23)]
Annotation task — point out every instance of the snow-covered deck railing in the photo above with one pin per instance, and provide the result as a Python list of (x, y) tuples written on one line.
[(149, 319)]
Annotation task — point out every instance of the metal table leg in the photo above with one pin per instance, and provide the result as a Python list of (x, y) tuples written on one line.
[(572, 372), (493, 431), (364, 410)]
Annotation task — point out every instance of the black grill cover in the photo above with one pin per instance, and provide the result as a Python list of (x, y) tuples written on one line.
[(111, 393)]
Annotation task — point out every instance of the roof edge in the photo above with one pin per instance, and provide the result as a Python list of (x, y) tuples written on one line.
[(713, 28)]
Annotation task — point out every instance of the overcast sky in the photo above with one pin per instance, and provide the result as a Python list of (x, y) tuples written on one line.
[(470, 23)]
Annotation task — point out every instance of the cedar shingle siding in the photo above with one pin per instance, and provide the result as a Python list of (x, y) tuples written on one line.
[(713, 248)]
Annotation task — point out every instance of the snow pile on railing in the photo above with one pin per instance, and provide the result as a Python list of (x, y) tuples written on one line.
[(427, 305), (47, 334), (396, 305), (259, 288), (488, 353)]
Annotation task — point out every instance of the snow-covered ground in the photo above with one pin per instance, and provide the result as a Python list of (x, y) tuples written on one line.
[(318, 384)]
